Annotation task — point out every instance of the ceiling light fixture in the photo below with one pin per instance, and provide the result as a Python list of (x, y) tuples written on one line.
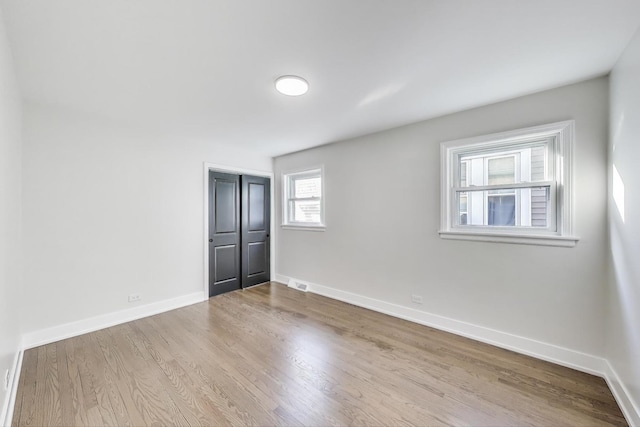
[(292, 85)]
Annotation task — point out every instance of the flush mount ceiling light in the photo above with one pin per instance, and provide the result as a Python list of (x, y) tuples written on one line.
[(292, 85)]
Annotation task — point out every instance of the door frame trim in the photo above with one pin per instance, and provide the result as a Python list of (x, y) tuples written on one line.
[(238, 171)]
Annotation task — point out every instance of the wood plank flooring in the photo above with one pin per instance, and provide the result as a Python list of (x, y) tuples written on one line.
[(271, 355)]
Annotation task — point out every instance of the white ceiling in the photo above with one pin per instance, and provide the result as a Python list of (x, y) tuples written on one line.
[(204, 69)]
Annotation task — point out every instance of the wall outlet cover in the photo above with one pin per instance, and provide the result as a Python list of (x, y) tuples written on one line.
[(416, 299), (134, 297)]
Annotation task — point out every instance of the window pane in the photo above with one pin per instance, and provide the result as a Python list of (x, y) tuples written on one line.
[(539, 206), (502, 170), (523, 207), (305, 211), (463, 209), (307, 187), (463, 173), (538, 161), (507, 166), (463, 202), (502, 210)]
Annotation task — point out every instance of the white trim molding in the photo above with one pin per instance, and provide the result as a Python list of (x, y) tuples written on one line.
[(284, 280), (540, 350), (91, 324), (304, 227), (565, 242), (238, 171), (6, 416), (630, 409)]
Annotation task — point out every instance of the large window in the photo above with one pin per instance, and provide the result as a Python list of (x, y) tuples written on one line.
[(303, 199), (509, 187)]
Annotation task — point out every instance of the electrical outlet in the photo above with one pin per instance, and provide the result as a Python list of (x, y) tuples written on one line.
[(134, 297), (416, 299), (6, 380)]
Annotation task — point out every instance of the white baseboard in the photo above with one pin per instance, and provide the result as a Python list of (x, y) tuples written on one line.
[(540, 350), (281, 279), (630, 409), (6, 416), (68, 330)]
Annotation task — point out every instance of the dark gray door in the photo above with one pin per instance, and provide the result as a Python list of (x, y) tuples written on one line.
[(256, 220), (224, 233)]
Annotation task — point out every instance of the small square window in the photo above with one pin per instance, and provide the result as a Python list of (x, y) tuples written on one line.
[(303, 199), (509, 187)]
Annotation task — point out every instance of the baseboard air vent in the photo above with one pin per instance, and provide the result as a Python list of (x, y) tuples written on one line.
[(298, 285)]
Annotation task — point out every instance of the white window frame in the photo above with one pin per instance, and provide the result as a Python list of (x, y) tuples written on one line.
[(559, 177), (287, 179)]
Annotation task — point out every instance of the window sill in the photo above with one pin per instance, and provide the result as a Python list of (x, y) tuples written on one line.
[(304, 227), (520, 239)]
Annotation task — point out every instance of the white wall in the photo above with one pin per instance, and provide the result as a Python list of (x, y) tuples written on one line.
[(110, 211), (383, 213), (623, 328), (10, 193)]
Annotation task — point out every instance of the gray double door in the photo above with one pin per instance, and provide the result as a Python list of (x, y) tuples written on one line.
[(239, 231)]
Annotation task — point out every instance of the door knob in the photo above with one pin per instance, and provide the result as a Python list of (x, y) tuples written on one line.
[(210, 240)]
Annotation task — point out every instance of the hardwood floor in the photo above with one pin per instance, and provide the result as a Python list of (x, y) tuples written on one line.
[(270, 355)]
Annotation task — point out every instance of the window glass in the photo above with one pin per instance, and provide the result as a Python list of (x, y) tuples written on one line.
[(505, 207), (502, 210), (305, 210), (501, 170), (307, 187), (463, 173)]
